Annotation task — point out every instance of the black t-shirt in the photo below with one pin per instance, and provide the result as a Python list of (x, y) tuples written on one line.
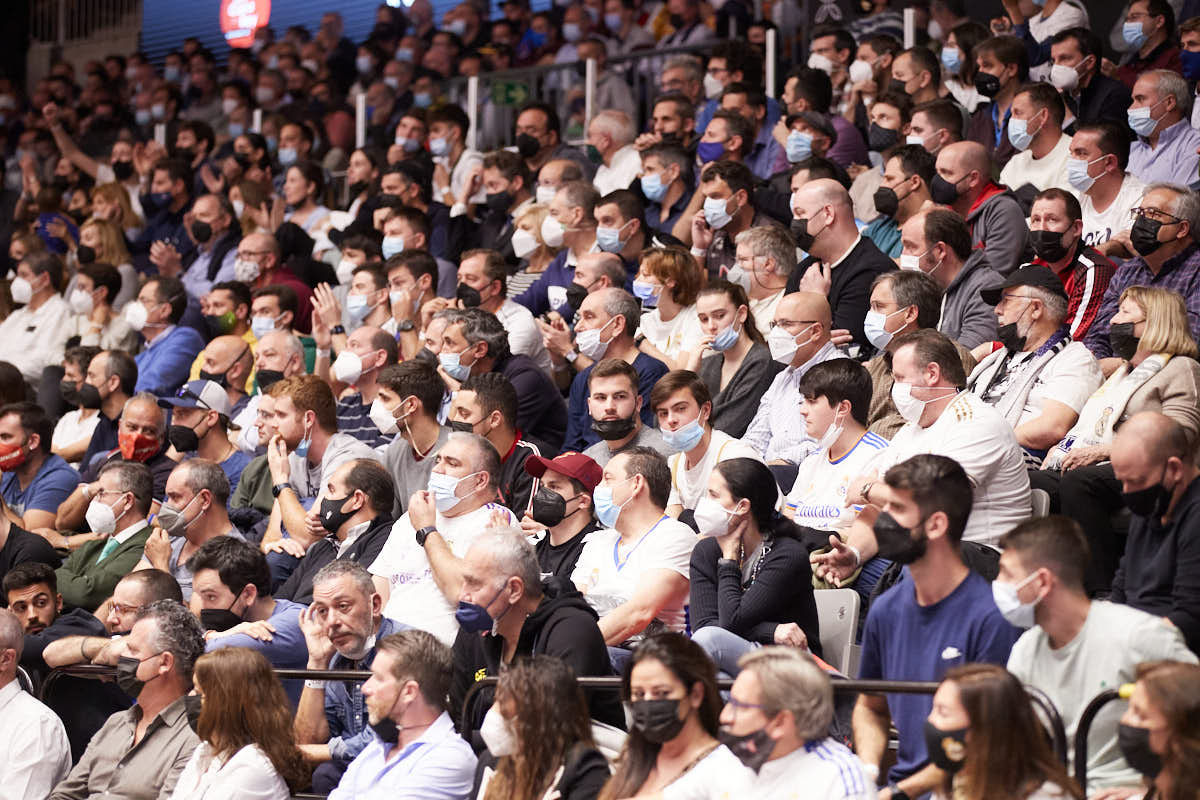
[(559, 560), (22, 546)]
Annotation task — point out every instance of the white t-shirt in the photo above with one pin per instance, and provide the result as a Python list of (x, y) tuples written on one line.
[(718, 776), (524, 337), (1103, 655), (818, 497), (681, 334), (626, 164), (763, 311), (1049, 170), (1069, 14), (71, 429), (609, 581), (689, 485), (824, 768), (415, 598), (1069, 378), (1100, 226), (978, 438), (247, 774)]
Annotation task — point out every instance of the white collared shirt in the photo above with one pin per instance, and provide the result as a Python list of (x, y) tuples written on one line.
[(36, 754)]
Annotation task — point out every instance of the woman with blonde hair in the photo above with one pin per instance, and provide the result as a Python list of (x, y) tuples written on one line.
[(101, 242), (983, 733), (530, 247), (244, 720), (111, 201), (539, 737), (1159, 734), (248, 198), (1157, 371), (667, 283)]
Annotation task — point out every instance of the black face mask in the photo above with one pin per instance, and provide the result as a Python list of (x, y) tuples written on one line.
[(219, 619), (752, 750), (468, 296), (183, 438), (85, 254), (1144, 235), (896, 542), (1151, 502), (127, 679), (424, 354), (549, 508), (576, 294), (201, 231), (612, 429), (1135, 747), (1008, 336), (896, 86), (332, 515), (1048, 245), (268, 378), (123, 170), (804, 239), (460, 426), (79, 215), (60, 182), (357, 188), (987, 84), (89, 396), (216, 377), (886, 201), (677, 21), (387, 730), (528, 146), (192, 706), (880, 139), (69, 392), (943, 192), (1120, 337), (186, 153), (947, 749), (657, 720), (500, 202), (671, 137)]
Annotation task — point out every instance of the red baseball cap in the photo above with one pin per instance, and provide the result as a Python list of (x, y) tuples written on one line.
[(573, 465)]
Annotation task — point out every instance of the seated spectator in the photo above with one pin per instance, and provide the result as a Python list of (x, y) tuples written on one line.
[(87, 577), (35, 482), (725, 199), (200, 423), (611, 312), (1091, 96), (31, 592), (799, 339), (993, 215), (1054, 227), (938, 601), (540, 411), (610, 133), (670, 667), (342, 629), (683, 406), (1172, 263), (419, 571), (1156, 573), (507, 612), (903, 191), (765, 262), (842, 263), (38, 755), (417, 433), (356, 371), (507, 179), (564, 532), (1041, 378), (529, 248), (764, 155), (787, 751), (412, 282), (260, 264), (982, 718), (1164, 698), (538, 701), (415, 667), (95, 301), (959, 271), (161, 652), (1161, 375), (750, 580), (1002, 67), (1073, 643), (666, 182), (667, 282), (615, 410), (19, 546), (253, 752), (486, 405), (356, 533), (1107, 192), (1035, 129), (651, 594), (170, 347), (228, 361), (176, 538), (279, 355), (210, 224), (1166, 143), (570, 225), (485, 271), (35, 335), (594, 273)]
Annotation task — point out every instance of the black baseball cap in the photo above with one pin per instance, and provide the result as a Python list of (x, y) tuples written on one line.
[(1028, 275)]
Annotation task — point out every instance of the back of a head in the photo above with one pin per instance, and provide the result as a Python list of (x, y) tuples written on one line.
[(937, 484)]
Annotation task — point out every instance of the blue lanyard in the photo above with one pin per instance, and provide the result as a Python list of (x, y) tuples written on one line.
[(620, 564)]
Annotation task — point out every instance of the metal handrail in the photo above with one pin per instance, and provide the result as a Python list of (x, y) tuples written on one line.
[(105, 671), (1085, 725), (1058, 731)]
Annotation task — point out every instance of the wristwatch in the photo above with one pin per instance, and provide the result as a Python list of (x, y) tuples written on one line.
[(572, 354), (423, 534), (897, 792), (278, 488), (336, 329), (405, 325)]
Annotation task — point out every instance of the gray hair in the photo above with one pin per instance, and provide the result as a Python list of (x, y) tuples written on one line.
[(618, 302), (789, 680), (12, 635), (177, 631), (342, 568), (771, 241), (617, 125), (289, 342), (200, 473), (1187, 204), (1172, 83), (1055, 304), (913, 288), (481, 326), (133, 477), (149, 399), (581, 194), (512, 554), (486, 459), (685, 62)]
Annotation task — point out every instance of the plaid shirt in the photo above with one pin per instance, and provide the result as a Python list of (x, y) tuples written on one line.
[(1180, 274)]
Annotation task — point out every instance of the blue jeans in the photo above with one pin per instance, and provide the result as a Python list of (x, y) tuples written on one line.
[(724, 647)]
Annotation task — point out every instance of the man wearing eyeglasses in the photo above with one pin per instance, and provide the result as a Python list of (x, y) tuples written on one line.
[(1164, 226)]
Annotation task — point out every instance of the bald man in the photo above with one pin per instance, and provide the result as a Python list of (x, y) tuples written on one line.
[(799, 339), (280, 354), (964, 183), (842, 264), (1154, 460), (259, 264), (210, 227), (229, 362)]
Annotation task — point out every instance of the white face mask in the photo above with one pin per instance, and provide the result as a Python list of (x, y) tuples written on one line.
[(136, 315), (911, 407), (383, 418), (552, 231), (100, 517), (545, 194), (497, 734), (783, 345), (831, 434), (1010, 606), (345, 271), (712, 518), (523, 243), (81, 302), (589, 341), (348, 368), (22, 291)]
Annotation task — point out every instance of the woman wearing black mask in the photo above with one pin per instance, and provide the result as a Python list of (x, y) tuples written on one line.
[(984, 733), (362, 176), (1159, 734), (73, 433), (247, 748), (671, 690)]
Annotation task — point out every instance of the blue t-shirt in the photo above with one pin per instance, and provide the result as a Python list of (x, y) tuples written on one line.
[(51, 485), (286, 650), (232, 466), (579, 421), (904, 641)]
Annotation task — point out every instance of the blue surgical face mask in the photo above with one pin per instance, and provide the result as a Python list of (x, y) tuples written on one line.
[(1019, 134), (473, 617), (171, 74), (1133, 34), (443, 488), (951, 59), (609, 239), (725, 339), (606, 510), (873, 327), (392, 245), (272, 144), (1142, 121), (684, 438), (451, 362), (422, 99), (357, 307), (647, 292), (716, 212), (236, 129), (404, 54), (1077, 173), (410, 145), (439, 146), (287, 156), (305, 443), (653, 188), (799, 146), (142, 116)]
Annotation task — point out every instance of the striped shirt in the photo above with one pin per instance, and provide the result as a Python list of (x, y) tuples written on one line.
[(354, 418), (818, 497), (824, 768)]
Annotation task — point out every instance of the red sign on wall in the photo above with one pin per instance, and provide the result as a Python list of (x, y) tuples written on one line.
[(240, 18)]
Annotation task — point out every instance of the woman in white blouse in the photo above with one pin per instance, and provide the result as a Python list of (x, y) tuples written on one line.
[(667, 283), (247, 749)]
